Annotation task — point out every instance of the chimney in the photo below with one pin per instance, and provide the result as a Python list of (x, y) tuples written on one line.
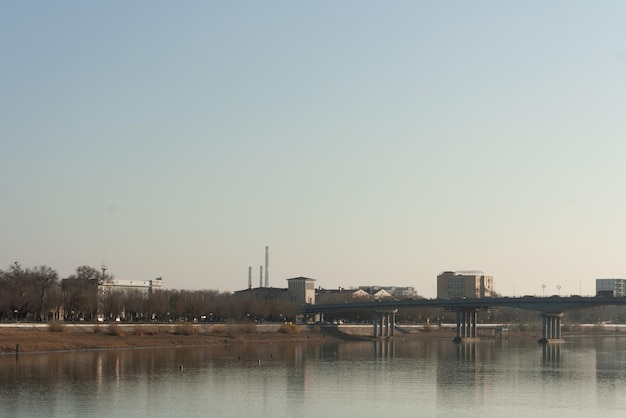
[(261, 278), (267, 249), (249, 277)]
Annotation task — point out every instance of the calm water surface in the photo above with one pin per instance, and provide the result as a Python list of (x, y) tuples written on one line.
[(584, 377)]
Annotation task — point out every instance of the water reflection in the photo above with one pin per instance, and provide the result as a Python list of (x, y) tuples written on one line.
[(610, 370), (383, 349), (551, 355), (369, 378), (466, 352)]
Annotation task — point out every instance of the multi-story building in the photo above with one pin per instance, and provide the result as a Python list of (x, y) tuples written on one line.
[(464, 284), (89, 295), (302, 290), (146, 287), (611, 287), (340, 295)]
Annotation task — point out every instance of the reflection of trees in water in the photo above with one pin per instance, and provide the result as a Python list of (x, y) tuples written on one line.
[(82, 367)]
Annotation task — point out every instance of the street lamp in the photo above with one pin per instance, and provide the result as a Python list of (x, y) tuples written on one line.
[(543, 286)]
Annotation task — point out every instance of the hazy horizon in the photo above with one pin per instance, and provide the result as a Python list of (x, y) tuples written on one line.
[(365, 143)]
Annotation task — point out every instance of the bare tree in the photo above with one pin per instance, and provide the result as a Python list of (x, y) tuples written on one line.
[(29, 293), (44, 282), (80, 293), (135, 306), (112, 304)]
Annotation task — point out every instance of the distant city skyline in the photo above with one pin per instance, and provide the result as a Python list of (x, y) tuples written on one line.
[(364, 143)]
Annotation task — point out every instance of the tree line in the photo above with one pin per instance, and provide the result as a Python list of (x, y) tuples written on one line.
[(37, 294)]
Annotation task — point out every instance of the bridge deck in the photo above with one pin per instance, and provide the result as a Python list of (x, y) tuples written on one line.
[(541, 304)]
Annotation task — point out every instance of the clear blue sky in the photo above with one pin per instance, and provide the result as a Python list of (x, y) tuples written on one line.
[(363, 142)]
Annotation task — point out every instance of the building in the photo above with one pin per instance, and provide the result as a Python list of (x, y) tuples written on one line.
[(611, 287), (340, 295), (302, 290), (364, 293), (398, 292), (464, 284), (264, 293), (111, 291), (145, 287), (85, 299)]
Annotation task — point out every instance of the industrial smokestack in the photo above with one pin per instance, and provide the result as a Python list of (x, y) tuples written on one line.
[(267, 270), (249, 277), (261, 277)]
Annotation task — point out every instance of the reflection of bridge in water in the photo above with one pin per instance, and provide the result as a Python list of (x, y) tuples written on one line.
[(550, 308)]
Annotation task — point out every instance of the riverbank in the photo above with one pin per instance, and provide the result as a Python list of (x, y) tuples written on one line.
[(75, 337), (68, 337)]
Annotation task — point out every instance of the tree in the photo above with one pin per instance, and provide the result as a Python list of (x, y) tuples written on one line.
[(80, 294), (44, 283), (86, 273), (135, 305), (13, 288), (29, 293), (112, 303), (158, 305)]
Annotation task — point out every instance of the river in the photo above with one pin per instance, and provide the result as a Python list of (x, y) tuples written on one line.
[(583, 377)]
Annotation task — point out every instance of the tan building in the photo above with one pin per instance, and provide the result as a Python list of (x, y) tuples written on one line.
[(464, 284), (302, 290)]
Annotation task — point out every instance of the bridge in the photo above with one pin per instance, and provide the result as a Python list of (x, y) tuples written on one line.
[(550, 308)]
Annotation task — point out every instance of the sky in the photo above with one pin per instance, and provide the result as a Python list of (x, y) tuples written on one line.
[(365, 143)]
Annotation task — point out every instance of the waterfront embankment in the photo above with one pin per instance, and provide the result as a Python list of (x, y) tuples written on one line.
[(42, 337), (38, 337)]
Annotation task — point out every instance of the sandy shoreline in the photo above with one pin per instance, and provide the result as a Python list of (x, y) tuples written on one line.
[(103, 337), (39, 341), (44, 339)]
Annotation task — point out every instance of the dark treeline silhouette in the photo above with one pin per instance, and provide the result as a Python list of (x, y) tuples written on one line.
[(37, 294), (29, 293)]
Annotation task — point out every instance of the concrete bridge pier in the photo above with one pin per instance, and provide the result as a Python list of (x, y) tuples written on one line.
[(551, 327), (466, 325), (384, 323)]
